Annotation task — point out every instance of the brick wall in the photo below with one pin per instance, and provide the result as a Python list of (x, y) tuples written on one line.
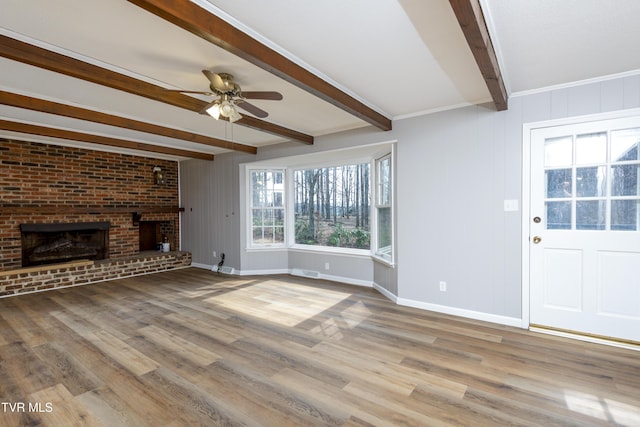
[(42, 183)]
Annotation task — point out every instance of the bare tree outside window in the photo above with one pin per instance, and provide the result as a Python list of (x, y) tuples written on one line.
[(332, 206)]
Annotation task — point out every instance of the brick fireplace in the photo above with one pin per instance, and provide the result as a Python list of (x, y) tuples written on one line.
[(46, 186)]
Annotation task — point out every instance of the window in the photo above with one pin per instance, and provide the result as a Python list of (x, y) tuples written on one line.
[(338, 201), (592, 181), (267, 207), (383, 211), (332, 206)]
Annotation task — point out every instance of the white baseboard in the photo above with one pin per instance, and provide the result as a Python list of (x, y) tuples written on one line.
[(262, 272), (385, 292), (347, 280), (311, 274), (470, 314), (294, 272), (198, 265)]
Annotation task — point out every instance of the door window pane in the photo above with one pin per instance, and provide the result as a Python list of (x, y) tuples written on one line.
[(591, 148), (558, 151), (558, 183), (558, 215), (591, 182), (624, 215), (624, 180), (590, 215), (624, 145)]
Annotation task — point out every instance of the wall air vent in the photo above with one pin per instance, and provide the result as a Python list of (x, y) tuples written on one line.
[(305, 273)]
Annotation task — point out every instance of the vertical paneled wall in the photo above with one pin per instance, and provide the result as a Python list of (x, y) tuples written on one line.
[(210, 221)]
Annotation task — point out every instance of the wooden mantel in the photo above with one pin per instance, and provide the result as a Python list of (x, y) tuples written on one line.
[(60, 209)]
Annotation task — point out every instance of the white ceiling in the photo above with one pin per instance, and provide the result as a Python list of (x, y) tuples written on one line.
[(545, 43), (399, 57)]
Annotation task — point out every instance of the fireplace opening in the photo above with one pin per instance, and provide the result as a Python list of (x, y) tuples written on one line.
[(63, 242)]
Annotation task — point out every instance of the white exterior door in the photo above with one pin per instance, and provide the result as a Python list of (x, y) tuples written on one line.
[(584, 245)]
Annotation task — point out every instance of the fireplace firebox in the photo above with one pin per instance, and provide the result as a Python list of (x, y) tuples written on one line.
[(63, 242)]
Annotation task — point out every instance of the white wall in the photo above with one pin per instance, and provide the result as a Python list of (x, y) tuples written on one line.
[(454, 171), (469, 161), (457, 169)]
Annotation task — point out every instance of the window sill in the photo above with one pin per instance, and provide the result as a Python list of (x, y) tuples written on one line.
[(383, 261), (267, 248), (331, 250)]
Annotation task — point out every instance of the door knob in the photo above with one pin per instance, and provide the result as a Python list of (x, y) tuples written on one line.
[(537, 239)]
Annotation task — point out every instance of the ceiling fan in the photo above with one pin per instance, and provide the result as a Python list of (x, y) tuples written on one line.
[(230, 96)]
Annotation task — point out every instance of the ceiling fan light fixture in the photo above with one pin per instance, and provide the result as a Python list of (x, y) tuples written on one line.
[(214, 111), (235, 116), (227, 109)]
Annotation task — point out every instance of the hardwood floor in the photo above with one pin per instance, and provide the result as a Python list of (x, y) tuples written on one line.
[(189, 347)]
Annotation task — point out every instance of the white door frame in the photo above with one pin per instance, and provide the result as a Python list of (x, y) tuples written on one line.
[(526, 191)]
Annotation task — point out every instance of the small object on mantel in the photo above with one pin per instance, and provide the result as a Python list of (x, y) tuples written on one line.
[(166, 247), (136, 216)]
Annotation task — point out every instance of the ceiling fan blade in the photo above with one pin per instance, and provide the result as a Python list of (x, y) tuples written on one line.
[(209, 74), (217, 82), (222, 82), (191, 91), (270, 95), (258, 112)]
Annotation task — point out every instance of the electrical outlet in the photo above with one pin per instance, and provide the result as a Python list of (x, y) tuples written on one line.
[(215, 254), (443, 286), (326, 265)]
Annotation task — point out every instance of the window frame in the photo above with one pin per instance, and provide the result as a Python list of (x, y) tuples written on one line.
[(348, 156), (386, 253), (251, 244)]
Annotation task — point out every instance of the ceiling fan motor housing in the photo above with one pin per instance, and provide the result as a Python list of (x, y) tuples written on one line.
[(231, 96), (223, 83)]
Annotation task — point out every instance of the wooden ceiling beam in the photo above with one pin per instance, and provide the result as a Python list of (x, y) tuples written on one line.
[(193, 18), (33, 55), (471, 20), (37, 104), (32, 129)]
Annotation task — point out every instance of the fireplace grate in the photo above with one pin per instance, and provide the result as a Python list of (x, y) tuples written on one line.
[(63, 242)]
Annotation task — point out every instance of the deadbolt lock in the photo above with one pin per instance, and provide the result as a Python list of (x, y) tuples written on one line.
[(536, 219)]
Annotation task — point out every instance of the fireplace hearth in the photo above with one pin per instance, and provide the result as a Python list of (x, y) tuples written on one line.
[(63, 242)]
